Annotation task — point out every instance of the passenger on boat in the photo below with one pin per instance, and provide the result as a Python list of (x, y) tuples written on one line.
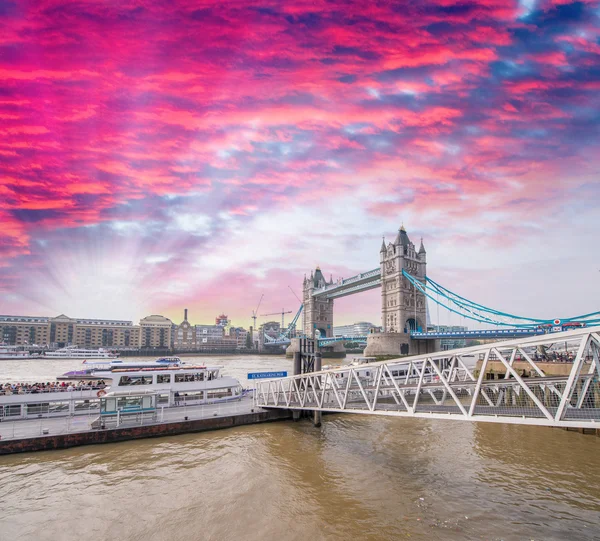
[(49, 387)]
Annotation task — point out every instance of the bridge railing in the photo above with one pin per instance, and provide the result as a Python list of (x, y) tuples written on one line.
[(475, 333), (449, 385), (330, 340)]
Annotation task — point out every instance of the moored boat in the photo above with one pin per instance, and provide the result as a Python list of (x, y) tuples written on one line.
[(177, 385), (15, 352), (90, 368), (73, 352), (171, 385)]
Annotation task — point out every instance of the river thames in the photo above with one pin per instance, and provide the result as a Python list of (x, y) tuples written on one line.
[(356, 477)]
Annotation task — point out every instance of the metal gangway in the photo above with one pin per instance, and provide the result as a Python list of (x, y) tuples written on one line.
[(453, 384)]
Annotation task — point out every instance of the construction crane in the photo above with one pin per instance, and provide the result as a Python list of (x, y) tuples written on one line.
[(254, 316), (277, 313)]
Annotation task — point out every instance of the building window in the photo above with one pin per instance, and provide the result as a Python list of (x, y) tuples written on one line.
[(9, 336)]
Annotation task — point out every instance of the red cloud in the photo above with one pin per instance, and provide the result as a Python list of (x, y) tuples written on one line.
[(116, 110)]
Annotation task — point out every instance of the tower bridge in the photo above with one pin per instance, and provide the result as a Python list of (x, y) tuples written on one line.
[(406, 288), (403, 304)]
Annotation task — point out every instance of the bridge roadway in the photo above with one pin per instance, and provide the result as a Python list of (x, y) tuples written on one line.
[(473, 334), (356, 284), (477, 334), (415, 335), (442, 385)]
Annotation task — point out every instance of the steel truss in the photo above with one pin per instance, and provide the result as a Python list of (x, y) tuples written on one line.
[(442, 385), (356, 284)]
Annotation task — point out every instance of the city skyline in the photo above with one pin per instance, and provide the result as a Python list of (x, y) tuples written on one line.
[(234, 148)]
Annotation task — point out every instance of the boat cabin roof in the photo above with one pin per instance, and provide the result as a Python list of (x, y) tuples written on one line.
[(166, 369)]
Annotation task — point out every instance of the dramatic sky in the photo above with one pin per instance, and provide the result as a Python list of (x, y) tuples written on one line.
[(159, 155)]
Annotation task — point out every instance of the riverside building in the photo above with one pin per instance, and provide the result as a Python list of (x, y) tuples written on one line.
[(153, 332), (62, 330)]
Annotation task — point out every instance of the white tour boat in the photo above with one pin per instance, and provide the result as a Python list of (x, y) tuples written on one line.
[(175, 385), (15, 353), (73, 352), (170, 385), (88, 372)]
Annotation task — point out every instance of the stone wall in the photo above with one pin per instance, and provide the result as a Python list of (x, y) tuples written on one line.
[(391, 343), (387, 343)]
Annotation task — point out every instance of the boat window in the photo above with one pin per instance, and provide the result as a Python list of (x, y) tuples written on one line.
[(38, 408), (110, 404), (10, 410), (184, 378), (59, 407), (163, 378), (191, 397), (85, 405), (135, 380), (129, 402), (218, 393)]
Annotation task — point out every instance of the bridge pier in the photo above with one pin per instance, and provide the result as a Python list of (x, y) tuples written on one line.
[(306, 360), (297, 363), (419, 347), (335, 350), (297, 371), (398, 343), (317, 415)]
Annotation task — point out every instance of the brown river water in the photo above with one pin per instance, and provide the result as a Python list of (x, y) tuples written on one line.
[(356, 477)]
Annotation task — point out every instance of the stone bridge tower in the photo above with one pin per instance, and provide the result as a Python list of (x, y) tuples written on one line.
[(318, 312), (403, 307)]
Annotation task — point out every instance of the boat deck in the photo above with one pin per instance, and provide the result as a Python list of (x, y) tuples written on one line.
[(49, 426)]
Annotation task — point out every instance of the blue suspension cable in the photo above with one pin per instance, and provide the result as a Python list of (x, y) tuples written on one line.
[(474, 310)]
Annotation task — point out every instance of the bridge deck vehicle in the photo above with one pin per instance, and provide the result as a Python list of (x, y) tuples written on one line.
[(441, 385)]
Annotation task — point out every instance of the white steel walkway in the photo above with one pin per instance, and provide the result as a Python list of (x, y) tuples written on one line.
[(444, 385)]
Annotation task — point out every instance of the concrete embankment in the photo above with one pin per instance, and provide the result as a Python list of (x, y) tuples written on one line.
[(92, 437)]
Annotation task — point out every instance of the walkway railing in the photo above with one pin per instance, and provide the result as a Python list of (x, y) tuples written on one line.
[(446, 385)]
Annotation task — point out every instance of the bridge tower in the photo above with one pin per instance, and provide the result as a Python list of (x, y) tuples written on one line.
[(318, 312), (403, 307)]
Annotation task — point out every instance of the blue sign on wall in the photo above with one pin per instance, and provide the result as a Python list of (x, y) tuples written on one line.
[(266, 375)]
